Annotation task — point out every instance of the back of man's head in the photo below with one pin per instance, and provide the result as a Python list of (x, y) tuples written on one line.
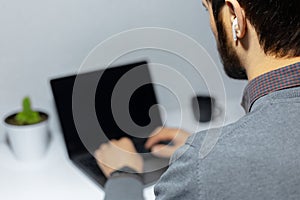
[(277, 23)]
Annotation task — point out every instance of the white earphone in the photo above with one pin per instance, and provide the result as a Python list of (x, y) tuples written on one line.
[(234, 25)]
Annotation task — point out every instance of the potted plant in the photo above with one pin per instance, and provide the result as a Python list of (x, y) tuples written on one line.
[(27, 132)]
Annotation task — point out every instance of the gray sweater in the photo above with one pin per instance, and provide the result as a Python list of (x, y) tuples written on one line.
[(257, 157)]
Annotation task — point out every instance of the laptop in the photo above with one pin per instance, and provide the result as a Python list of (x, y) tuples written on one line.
[(101, 105)]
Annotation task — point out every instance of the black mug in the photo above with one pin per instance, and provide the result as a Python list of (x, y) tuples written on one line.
[(203, 107)]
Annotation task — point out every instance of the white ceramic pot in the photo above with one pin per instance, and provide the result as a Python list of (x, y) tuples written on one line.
[(28, 142)]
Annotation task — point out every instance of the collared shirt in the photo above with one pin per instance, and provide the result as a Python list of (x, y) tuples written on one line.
[(282, 78)]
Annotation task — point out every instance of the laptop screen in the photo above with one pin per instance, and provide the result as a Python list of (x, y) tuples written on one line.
[(122, 103)]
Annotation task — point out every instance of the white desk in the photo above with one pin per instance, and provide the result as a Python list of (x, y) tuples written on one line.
[(55, 177)]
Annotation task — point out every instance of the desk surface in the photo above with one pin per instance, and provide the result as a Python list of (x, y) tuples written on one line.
[(55, 177)]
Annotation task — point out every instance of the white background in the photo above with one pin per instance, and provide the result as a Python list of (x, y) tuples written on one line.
[(44, 39)]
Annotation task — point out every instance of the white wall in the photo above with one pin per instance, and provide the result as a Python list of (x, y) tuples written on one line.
[(49, 38)]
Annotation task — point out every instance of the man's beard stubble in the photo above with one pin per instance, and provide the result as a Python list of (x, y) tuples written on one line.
[(230, 60)]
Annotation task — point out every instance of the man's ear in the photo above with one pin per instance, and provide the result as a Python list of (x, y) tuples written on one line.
[(237, 12)]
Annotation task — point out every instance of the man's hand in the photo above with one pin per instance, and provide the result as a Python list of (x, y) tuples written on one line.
[(176, 136), (116, 154)]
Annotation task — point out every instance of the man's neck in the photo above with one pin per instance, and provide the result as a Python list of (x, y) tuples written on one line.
[(264, 65)]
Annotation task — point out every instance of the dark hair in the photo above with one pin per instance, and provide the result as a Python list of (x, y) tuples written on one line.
[(277, 23)]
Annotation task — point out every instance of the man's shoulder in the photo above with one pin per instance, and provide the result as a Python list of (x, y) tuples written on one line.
[(207, 140), (185, 174), (256, 157), (240, 158), (201, 144)]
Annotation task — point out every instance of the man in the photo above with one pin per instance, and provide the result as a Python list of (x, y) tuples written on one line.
[(258, 157)]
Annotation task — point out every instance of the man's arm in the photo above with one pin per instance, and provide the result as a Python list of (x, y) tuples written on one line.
[(117, 154), (121, 164), (125, 187), (181, 180)]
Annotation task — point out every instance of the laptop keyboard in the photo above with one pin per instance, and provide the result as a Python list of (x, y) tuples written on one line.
[(139, 145), (90, 163)]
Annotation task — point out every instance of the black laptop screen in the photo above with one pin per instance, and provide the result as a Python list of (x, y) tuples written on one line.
[(122, 102)]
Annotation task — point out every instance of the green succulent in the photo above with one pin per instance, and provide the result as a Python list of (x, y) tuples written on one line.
[(27, 116)]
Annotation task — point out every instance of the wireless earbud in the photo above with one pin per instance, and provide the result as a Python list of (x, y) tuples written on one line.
[(234, 25)]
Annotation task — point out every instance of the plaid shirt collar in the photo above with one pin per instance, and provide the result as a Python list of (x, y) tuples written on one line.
[(282, 78)]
